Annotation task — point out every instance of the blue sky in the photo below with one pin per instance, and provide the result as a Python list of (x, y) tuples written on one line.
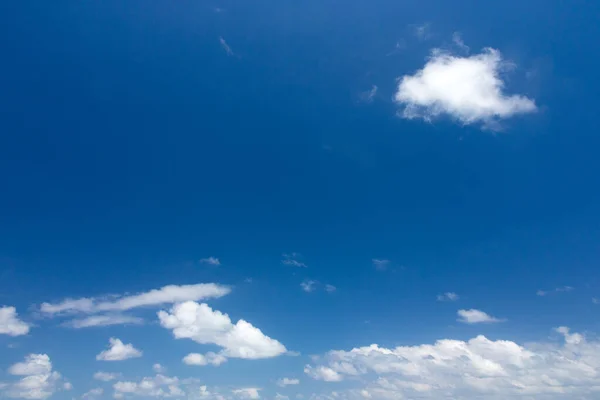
[(299, 200)]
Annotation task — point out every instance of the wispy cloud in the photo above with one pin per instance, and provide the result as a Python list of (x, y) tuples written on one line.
[(369, 95), (422, 31), (330, 288), (476, 317), (448, 296), (210, 261), (104, 320), (562, 289), (308, 285), (380, 264), (458, 41), (226, 46), (292, 259)]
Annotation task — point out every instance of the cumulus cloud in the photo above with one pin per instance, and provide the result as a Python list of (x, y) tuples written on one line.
[(10, 324), (209, 358), (118, 351), (38, 380), (247, 393), (283, 382), (203, 325), (106, 376), (157, 386), (210, 261), (448, 296), (476, 317), (479, 368), (323, 373), (107, 310), (469, 89), (292, 259)]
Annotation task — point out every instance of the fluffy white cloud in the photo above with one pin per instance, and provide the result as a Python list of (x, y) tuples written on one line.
[(202, 360), (283, 382), (104, 320), (92, 394), (166, 295), (203, 325), (118, 351), (323, 373), (10, 324), (157, 386), (448, 296), (210, 261), (106, 376), (469, 89), (477, 368), (38, 380), (476, 317), (247, 393)]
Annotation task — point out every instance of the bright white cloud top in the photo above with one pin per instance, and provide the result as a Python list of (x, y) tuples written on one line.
[(476, 317), (118, 351), (209, 358), (469, 89), (39, 380), (10, 324), (203, 325)]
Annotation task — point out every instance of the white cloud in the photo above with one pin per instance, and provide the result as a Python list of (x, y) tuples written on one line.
[(369, 95), (458, 41), (106, 376), (308, 285), (283, 382), (157, 386), (67, 386), (247, 393), (104, 320), (279, 396), (323, 373), (118, 351), (39, 380), (468, 89), (448, 296), (10, 324), (476, 369), (292, 259), (562, 289), (380, 264), (159, 369), (203, 325), (226, 47), (92, 394), (330, 288), (211, 261), (476, 317), (200, 359), (169, 294)]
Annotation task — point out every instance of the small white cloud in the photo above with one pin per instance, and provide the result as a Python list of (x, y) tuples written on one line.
[(562, 289), (118, 351), (210, 261), (476, 317), (104, 320), (292, 259), (67, 386), (39, 380), (308, 285), (203, 325), (209, 358), (330, 288), (226, 46), (322, 373), (148, 387), (468, 89), (380, 264), (283, 382), (247, 393), (10, 324), (93, 394), (106, 376), (159, 369), (448, 296)]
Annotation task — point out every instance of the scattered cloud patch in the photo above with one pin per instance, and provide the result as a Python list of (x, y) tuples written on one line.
[(476, 317), (118, 351), (323, 373), (93, 394), (204, 325), (157, 386), (563, 289), (283, 382), (104, 320), (38, 381), (247, 393), (210, 261), (380, 264), (10, 324), (330, 288), (308, 285), (458, 41), (292, 259), (226, 46), (448, 296), (209, 358), (106, 376), (423, 31), (159, 369), (468, 89)]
